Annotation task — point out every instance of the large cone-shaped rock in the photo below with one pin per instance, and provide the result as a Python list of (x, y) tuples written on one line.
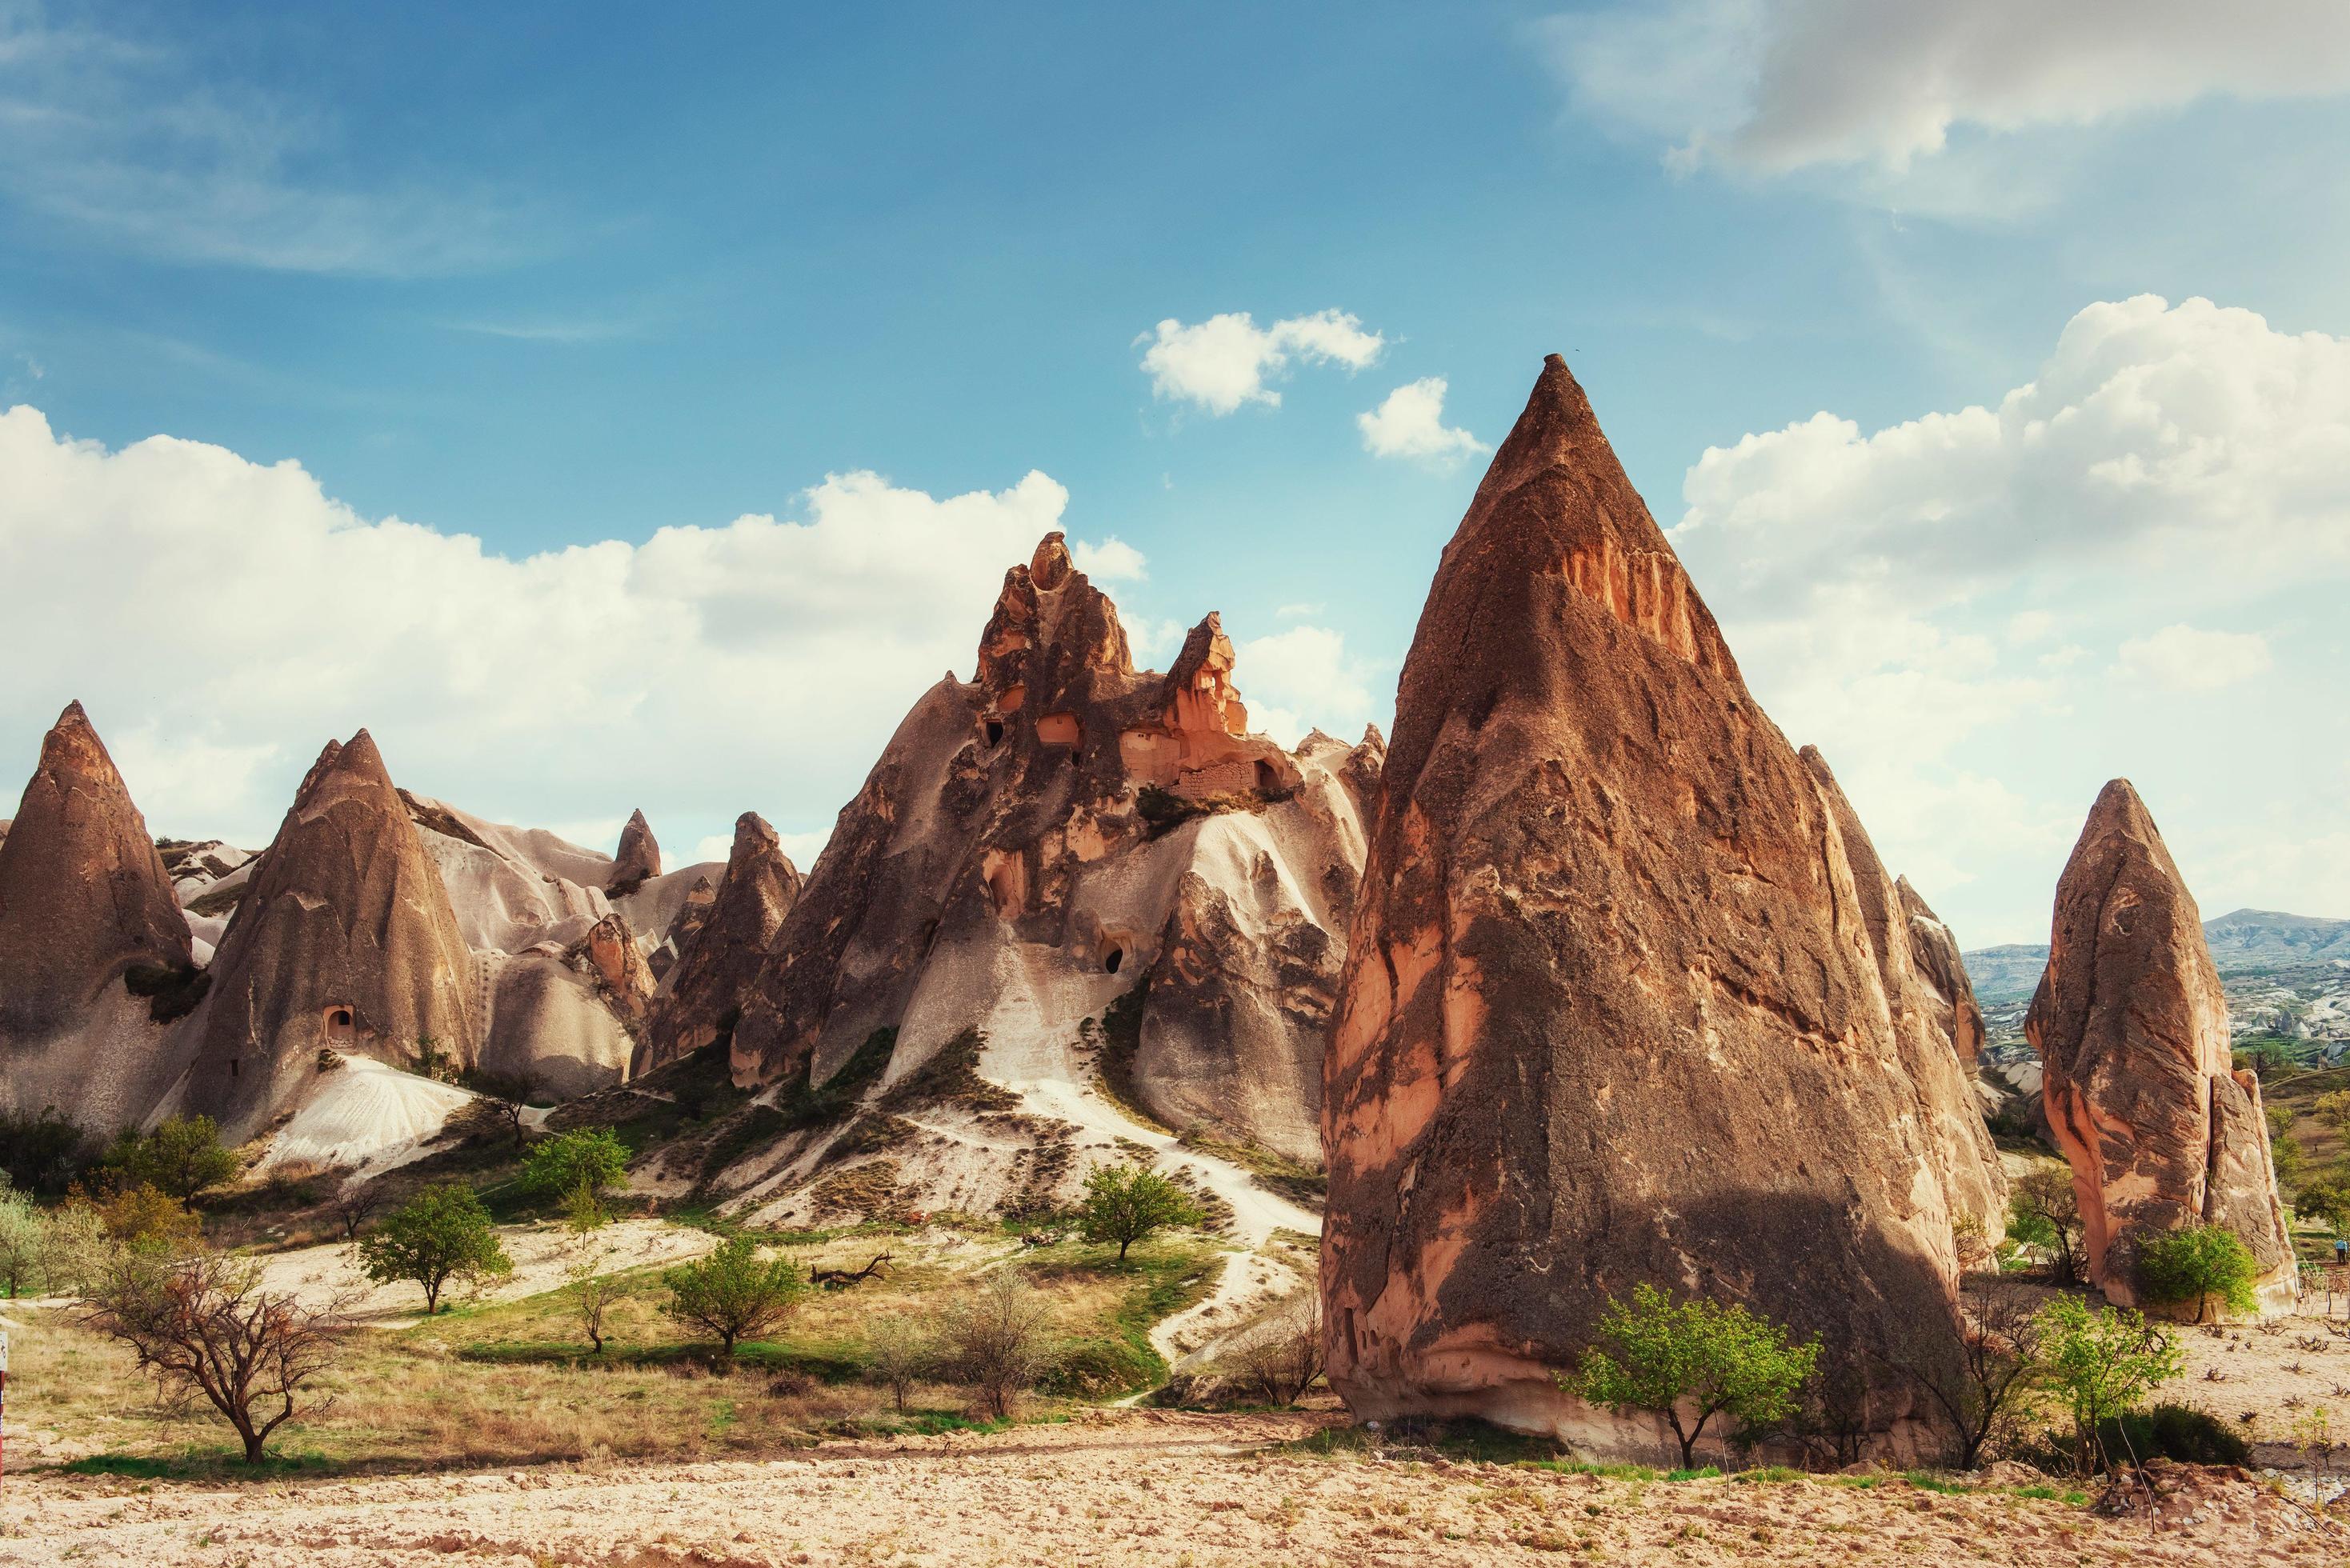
[(84, 897), (344, 938), (725, 947), (638, 859), (1958, 1015), (2132, 1030), (1039, 842), (1613, 1012)]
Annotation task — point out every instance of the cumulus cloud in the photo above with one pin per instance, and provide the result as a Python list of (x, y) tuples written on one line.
[(223, 618), (1411, 423), (1226, 361), (1777, 85), (1302, 676), (2182, 659), (1919, 599), (1111, 561)]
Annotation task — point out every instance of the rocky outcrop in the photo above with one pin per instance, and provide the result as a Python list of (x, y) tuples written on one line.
[(1036, 842), (344, 939), (2132, 1030), (85, 899), (723, 945), (1936, 951), (638, 859), (1622, 1003)]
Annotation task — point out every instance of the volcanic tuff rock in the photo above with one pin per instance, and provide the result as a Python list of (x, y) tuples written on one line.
[(1018, 858), (638, 859), (1612, 1009), (1936, 951), (84, 896), (344, 938), (2132, 1029), (723, 945)]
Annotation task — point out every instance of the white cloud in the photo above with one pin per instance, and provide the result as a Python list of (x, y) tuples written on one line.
[(223, 620), (1411, 423), (1225, 360), (125, 138), (1919, 599), (2182, 659), (800, 849), (1777, 85), (1295, 679), (1111, 561)]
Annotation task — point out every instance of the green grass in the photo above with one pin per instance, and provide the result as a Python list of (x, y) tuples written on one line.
[(1767, 1474), (201, 1462), (2053, 1494), (1166, 1278), (1927, 1480)]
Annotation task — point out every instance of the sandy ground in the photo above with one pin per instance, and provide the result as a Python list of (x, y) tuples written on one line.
[(2279, 1374), (1129, 1487), (540, 1252)]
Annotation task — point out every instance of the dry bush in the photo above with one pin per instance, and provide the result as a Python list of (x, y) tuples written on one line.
[(1282, 1357), (995, 1339)]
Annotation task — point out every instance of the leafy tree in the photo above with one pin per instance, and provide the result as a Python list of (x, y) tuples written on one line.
[(1979, 1385), (732, 1293), (592, 1158), (22, 1241), (2332, 1109), (2280, 1119), (145, 1218), (443, 1233), (2100, 1364), (205, 1324), (2325, 1199), (2287, 1156), (75, 1250), (994, 1337), (584, 1210), (2044, 1211), (900, 1353), (1699, 1356), (2197, 1264), (183, 1158), (1126, 1203)]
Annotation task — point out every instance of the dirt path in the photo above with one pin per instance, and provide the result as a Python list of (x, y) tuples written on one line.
[(1154, 1487)]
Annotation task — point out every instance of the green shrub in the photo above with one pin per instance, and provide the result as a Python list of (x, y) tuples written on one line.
[(183, 1158), (443, 1233), (732, 1293), (590, 1157), (1126, 1203), (45, 1154), (2099, 1364), (2196, 1264), (1667, 1357), (2168, 1432)]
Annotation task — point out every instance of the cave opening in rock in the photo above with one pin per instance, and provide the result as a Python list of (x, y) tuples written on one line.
[(340, 1021), (1112, 959), (994, 732)]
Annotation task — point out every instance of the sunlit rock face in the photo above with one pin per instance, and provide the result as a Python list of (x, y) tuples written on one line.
[(2132, 1029), (723, 946), (1037, 842), (344, 938), (1623, 1000)]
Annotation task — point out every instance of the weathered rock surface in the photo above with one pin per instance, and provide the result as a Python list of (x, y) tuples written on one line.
[(1018, 859), (1936, 951), (344, 938), (723, 943), (84, 897), (638, 860), (1614, 1008), (2132, 1029)]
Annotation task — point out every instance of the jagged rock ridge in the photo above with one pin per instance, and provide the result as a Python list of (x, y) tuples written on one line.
[(725, 945), (1623, 998), (2131, 1025)]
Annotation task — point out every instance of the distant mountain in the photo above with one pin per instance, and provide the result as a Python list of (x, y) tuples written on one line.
[(2243, 942)]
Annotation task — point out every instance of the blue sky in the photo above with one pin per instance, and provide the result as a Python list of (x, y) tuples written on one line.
[(548, 276)]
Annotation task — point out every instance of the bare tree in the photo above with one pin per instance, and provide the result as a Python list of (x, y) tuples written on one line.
[(593, 1288), (355, 1203), (498, 1113), (900, 1353), (2047, 1213), (1979, 1384), (1279, 1362), (995, 1339), (203, 1324)]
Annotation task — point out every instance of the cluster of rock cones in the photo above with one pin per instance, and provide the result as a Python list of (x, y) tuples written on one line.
[(1590, 979)]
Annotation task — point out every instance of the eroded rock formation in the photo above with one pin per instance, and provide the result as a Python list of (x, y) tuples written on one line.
[(84, 897), (638, 859), (1035, 841), (1622, 1001), (1936, 951), (344, 938), (2132, 1030), (722, 944)]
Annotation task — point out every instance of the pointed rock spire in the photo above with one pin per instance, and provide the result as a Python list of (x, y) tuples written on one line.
[(2132, 1029), (345, 939), (1610, 1013), (1936, 951), (726, 952), (638, 860), (84, 897)]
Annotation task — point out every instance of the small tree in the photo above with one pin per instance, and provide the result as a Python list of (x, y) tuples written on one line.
[(2197, 1264), (1280, 1360), (1126, 1203), (495, 1114), (24, 1242), (594, 1157), (442, 1234), (1698, 1357), (994, 1338), (2324, 1199), (732, 1293), (2334, 1110), (355, 1203), (149, 1219), (2045, 1211), (593, 1290), (1980, 1384), (74, 1247), (2100, 1364), (183, 1158), (900, 1353), (203, 1324), (584, 1211)]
